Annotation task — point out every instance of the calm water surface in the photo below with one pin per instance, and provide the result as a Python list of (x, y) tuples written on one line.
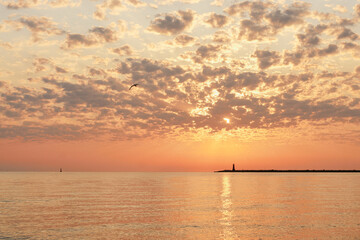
[(179, 205)]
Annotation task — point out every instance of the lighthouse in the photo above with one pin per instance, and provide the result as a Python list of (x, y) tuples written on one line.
[(233, 168)]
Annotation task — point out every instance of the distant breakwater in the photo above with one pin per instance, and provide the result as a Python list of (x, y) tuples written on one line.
[(292, 171)]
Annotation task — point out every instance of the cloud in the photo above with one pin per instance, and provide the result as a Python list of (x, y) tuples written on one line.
[(292, 15), (209, 52), (217, 3), (64, 3), (265, 21), (183, 40), (255, 9), (169, 2), (222, 37), (38, 26), (60, 70), (74, 95), (347, 33), (329, 50), (295, 57), (114, 6), (267, 58), (96, 36), (339, 8), (123, 50), (311, 36), (79, 40), (172, 23), (357, 10), (217, 20), (136, 3), (168, 96), (37, 131), (190, 87), (46, 65), (22, 4)]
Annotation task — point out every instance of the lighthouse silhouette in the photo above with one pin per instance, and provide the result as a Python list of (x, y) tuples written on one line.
[(233, 168)]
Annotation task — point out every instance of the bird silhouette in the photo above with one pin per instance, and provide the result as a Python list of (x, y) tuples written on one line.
[(134, 85)]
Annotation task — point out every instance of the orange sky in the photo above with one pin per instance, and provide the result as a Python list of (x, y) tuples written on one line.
[(263, 84)]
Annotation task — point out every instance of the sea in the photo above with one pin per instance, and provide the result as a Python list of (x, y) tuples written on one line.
[(152, 205)]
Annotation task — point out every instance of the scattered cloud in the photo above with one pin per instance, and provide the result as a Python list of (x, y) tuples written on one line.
[(96, 36), (194, 77), (182, 40), (216, 20), (172, 23), (21, 4), (265, 19), (123, 50), (267, 58), (38, 26)]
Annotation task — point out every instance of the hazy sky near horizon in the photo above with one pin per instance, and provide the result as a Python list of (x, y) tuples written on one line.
[(264, 84)]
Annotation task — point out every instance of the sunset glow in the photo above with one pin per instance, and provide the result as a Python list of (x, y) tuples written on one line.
[(263, 84)]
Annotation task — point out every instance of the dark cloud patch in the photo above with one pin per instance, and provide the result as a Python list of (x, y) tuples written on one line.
[(217, 20), (355, 87), (349, 45), (12, 114), (311, 36), (255, 9), (267, 58), (357, 69), (251, 30), (154, 76), (38, 26), (292, 15), (80, 94), (79, 40), (222, 37), (124, 50), (294, 58), (20, 103), (206, 53), (347, 33), (60, 70), (41, 63), (266, 19), (45, 64), (33, 131), (329, 50), (172, 23), (96, 72), (103, 34), (96, 36), (184, 40)]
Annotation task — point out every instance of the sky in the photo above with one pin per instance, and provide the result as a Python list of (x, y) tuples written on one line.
[(262, 84)]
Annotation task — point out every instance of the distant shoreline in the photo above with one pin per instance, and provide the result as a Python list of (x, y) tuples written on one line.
[(290, 171)]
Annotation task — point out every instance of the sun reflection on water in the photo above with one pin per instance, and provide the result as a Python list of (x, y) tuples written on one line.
[(226, 210)]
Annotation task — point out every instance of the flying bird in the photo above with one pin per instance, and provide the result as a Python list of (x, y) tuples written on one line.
[(134, 85)]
